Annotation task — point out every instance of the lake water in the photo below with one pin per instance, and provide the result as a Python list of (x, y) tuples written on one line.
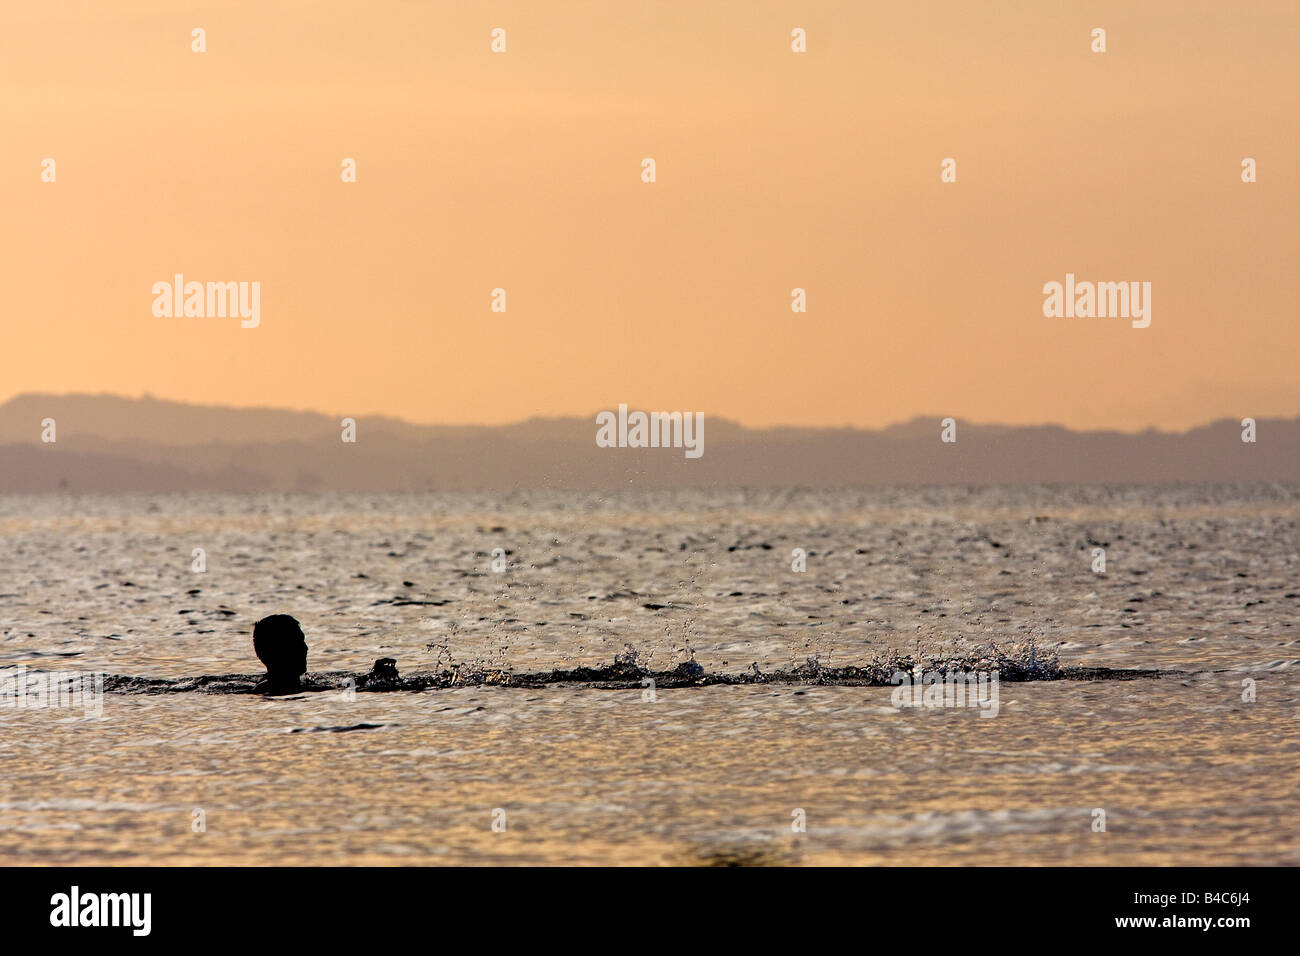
[(1199, 580)]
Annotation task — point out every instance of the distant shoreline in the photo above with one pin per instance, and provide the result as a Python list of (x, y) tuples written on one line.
[(103, 443)]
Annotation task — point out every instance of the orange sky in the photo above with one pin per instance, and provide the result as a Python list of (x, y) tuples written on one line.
[(775, 170)]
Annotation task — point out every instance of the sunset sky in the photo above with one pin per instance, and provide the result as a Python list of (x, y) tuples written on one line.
[(775, 170)]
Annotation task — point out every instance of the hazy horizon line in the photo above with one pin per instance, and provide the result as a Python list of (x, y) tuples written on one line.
[(775, 426)]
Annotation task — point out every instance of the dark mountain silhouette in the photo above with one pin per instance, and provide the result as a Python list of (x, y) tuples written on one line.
[(109, 443)]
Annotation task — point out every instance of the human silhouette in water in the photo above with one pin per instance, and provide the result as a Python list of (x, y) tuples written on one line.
[(280, 645)]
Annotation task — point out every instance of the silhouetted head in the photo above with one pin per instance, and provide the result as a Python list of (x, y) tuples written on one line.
[(279, 644), (385, 669)]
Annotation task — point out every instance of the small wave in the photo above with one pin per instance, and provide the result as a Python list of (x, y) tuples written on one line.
[(335, 730)]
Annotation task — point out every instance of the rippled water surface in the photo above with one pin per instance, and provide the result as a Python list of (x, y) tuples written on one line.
[(1199, 580)]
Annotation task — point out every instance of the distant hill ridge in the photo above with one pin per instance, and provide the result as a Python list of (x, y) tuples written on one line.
[(112, 443)]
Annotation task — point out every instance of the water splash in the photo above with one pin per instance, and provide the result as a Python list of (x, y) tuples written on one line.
[(1018, 662)]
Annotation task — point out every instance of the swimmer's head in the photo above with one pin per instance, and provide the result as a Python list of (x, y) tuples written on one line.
[(280, 645)]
